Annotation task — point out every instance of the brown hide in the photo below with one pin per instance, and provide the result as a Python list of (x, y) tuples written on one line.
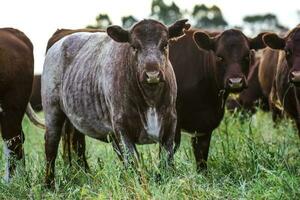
[(16, 75)]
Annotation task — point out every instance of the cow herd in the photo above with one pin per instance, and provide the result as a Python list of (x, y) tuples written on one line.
[(142, 85)]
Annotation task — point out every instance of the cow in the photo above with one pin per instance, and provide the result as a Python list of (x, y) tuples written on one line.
[(266, 77), (211, 68), (36, 98), (287, 74), (16, 75), (116, 86), (252, 96)]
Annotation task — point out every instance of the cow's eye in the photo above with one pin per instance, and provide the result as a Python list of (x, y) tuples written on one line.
[(164, 46), (219, 58), (135, 47)]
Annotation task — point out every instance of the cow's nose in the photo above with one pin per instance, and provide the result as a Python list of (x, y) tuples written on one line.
[(295, 76), (152, 76), (235, 82)]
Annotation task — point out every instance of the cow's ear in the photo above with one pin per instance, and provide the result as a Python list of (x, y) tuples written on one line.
[(203, 41), (118, 34), (177, 29), (257, 42), (273, 41)]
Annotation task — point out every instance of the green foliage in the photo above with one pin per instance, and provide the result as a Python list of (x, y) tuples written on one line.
[(249, 159), (102, 21), (128, 21), (208, 17), (266, 22), (168, 14)]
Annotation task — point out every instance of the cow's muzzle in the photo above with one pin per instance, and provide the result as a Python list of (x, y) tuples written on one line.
[(152, 77), (236, 84)]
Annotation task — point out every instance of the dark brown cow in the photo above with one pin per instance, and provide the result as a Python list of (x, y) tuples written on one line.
[(251, 97), (287, 78), (16, 75), (36, 99), (205, 78), (117, 87)]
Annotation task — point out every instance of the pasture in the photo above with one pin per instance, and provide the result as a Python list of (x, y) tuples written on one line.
[(249, 159)]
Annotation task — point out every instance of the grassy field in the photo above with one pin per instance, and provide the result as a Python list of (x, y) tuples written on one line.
[(249, 159)]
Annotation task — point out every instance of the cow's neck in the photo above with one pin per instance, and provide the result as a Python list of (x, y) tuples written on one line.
[(219, 95), (146, 95)]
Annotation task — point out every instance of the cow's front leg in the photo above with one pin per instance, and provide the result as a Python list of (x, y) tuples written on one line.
[(125, 148), (167, 149), (201, 144)]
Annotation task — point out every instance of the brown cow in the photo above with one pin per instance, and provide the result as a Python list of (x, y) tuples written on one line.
[(117, 87), (252, 96), (287, 78), (16, 75), (205, 78), (36, 99), (266, 76)]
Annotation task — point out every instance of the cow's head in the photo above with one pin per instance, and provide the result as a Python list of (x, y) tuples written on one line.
[(233, 56), (291, 46), (149, 50)]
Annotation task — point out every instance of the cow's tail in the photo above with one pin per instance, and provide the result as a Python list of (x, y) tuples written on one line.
[(34, 118)]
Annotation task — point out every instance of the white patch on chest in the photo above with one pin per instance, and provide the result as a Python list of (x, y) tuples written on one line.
[(153, 123)]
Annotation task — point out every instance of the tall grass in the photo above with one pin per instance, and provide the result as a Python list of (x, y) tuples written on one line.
[(249, 158)]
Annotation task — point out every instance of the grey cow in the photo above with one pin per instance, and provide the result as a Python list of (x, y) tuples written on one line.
[(117, 86)]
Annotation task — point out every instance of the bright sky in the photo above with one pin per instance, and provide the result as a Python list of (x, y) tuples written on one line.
[(38, 19)]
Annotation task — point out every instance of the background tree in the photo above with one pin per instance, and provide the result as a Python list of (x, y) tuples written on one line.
[(128, 21), (208, 17), (102, 21), (266, 22), (168, 14)]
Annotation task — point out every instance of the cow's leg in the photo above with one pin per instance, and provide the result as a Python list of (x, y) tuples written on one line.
[(125, 148), (201, 147), (177, 138), (13, 136), (298, 126), (74, 142), (167, 149), (78, 146), (66, 141), (55, 119)]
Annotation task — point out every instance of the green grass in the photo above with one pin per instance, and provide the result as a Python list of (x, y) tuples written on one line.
[(249, 159)]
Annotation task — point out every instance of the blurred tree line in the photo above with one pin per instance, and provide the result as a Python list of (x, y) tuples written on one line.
[(201, 16)]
